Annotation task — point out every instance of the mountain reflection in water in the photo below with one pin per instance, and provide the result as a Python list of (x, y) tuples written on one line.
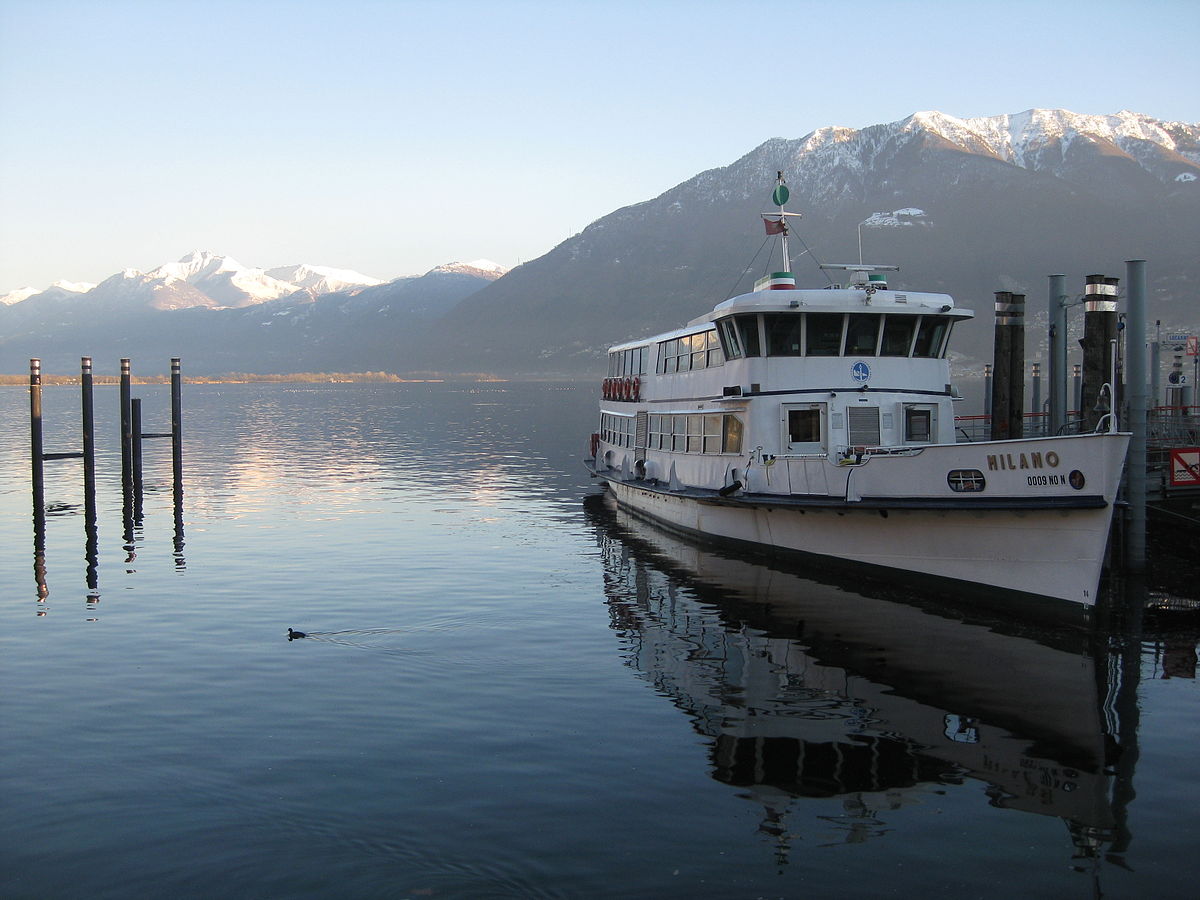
[(807, 689)]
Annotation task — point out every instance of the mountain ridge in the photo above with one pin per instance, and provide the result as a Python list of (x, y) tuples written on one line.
[(966, 206)]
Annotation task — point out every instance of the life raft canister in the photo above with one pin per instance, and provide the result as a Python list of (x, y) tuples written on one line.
[(636, 388), (595, 443)]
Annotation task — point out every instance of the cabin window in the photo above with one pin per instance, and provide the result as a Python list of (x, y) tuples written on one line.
[(919, 424), (804, 426), (862, 334), (897, 335), (732, 427), (695, 433), (748, 329), (931, 336), (692, 351), (785, 334), (616, 430), (679, 434), (824, 337), (628, 362)]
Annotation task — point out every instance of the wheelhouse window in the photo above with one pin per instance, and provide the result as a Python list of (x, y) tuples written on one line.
[(824, 334), (862, 334), (931, 336), (897, 335), (785, 334), (730, 340), (628, 362), (695, 433), (692, 351), (747, 326)]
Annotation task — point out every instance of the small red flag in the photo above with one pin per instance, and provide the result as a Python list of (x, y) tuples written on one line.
[(775, 226)]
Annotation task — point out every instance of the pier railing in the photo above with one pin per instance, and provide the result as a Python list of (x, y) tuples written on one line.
[(1166, 426)]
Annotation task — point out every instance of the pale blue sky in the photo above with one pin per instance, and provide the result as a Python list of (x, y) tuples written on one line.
[(390, 137)]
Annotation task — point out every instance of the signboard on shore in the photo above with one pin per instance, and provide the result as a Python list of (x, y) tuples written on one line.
[(1185, 467)]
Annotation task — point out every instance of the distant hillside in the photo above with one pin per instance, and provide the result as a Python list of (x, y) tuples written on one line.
[(965, 206)]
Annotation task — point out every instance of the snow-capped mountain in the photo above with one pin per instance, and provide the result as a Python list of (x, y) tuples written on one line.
[(200, 279), (222, 279), (481, 268), (57, 290), (317, 280), (965, 205)]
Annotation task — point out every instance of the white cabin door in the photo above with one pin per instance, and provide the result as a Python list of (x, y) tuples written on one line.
[(805, 428)]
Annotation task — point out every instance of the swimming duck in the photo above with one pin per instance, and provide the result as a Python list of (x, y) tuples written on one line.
[(294, 635)]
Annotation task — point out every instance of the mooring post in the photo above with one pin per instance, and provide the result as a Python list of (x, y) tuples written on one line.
[(1135, 377), (1099, 330), (1008, 385), (126, 430), (1039, 424), (89, 439), (36, 454), (1016, 363), (1058, 353), (176, 427), (135, 420), (1155, 366), (1001, 375)]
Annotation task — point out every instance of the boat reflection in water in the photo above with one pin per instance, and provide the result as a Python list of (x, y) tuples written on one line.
[(815, 690)]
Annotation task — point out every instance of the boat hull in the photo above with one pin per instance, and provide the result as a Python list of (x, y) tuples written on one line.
[(1042, 546)]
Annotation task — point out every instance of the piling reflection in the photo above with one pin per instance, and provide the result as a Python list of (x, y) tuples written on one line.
[(807, 689)]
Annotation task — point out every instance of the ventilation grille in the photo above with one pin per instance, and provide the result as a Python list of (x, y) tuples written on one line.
[(864, 426)]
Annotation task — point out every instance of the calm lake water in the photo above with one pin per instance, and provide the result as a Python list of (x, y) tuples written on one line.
[(511, 690)]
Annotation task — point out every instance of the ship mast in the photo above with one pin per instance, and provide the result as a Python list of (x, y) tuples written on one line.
[(779, 197), (776, 223)]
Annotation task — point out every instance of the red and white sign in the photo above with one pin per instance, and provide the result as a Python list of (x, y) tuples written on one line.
[(1193, 345), (1185, 467)]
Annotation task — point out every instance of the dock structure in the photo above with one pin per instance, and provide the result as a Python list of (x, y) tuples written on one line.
[(131, 436), (1118, 377)]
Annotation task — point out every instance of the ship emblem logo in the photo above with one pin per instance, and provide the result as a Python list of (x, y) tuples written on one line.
[(861, 372)]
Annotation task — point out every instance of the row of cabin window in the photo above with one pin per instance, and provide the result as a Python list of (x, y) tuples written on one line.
[(616, 430), (692, 351), (835, 334), (695, 433), (792, 334), (628, 362)]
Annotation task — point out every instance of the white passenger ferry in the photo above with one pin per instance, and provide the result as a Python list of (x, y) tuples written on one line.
[(822, 422)]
